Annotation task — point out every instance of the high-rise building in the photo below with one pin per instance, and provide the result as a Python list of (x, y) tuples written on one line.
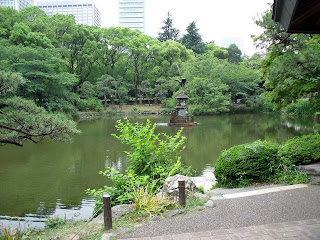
[(132, 14), (85, 11), (16, 4)]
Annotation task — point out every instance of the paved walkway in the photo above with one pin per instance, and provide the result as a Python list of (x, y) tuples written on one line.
[(289, 213), (302, 230)]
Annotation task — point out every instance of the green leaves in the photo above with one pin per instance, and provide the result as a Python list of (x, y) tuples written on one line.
[(9, 82), (168, 31), (192, 39), (21, 120), (245, 164), (301, 150), (153, 158)]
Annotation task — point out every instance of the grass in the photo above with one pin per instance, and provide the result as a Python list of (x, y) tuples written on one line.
[(193, 201), (66, 231), (95, 231)]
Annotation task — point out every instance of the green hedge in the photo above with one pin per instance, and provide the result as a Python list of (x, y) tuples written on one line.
[(301, 150), (93, 104), (244, 164)]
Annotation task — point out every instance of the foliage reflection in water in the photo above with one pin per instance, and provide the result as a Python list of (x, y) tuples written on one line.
[(49, 178)]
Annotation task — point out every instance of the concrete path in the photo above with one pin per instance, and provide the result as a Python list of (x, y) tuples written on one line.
[(302, 230), (268, 215)]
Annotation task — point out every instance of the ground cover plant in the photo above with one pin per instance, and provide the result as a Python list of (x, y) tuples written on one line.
[(301, 150)]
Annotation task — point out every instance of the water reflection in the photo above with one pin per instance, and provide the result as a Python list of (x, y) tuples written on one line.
[(50, 178)]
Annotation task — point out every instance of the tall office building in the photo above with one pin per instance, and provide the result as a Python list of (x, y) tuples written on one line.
[(85, 11), (16, 4), (132, 14)]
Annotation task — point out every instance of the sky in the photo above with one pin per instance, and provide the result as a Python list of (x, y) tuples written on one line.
[(221, 21)]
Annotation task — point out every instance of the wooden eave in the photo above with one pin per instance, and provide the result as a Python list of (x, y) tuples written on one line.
[(298, 16)]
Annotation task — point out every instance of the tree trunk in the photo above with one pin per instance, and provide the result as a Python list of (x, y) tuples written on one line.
[(105, 101)]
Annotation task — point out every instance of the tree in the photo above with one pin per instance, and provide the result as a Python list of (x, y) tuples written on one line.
[(164, 88), (216, 51), (192, 39), (207, 96), (47, 83), (168, 31), (242, 81), (121, 89), (290, 69), (22, 119), (274, 36), (292, 76), (86, 90), (105, 89), (8, 17), (112, 45), (146, 90), (140, 49), (234, 53)]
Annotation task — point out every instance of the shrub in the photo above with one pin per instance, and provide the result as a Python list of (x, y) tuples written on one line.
[(300, 108), (244, 164), (153, 158), (55, 222), (301, 150), (135, 108), (90, 104)]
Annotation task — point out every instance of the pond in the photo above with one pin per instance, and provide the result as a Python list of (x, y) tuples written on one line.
[(49, 179)]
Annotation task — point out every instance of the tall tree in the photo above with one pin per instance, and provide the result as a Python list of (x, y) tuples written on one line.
[(234, 53), (291, 67), (168, 31), (193, 40), (140, 50), (8, 17)]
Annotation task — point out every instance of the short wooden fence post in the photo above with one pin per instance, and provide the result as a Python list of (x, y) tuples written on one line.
[(182, 192), (107, 215)]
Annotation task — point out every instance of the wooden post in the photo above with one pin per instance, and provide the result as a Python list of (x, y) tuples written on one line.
[(182, 192), (107, 212)]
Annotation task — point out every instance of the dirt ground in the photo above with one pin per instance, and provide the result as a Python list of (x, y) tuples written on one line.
[(129, 108)]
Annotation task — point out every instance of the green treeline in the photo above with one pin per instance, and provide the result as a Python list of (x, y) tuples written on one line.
[(59, 66), (69, 67)]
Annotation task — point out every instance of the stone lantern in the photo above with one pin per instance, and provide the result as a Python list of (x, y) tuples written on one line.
[(180, 116)]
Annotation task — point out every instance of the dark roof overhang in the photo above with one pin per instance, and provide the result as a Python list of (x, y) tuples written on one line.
[(298, 16)]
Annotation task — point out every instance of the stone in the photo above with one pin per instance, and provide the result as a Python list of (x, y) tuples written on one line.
[(121, 210), (312, 170), (206, 180), (107, 236), (122, 230), (155, 218), (217, 197), (201, 196), (196, 208), (174, 213), (210, 204), (170, 187)]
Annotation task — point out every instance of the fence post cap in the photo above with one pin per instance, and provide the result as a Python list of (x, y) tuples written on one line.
[(106, 196)]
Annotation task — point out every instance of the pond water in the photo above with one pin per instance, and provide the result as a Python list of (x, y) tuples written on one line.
[(49, 179)]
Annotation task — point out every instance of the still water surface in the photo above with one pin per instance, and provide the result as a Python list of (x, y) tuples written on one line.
[(50, 178)]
